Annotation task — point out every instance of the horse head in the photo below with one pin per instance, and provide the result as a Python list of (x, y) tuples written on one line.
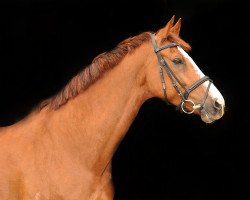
[(173, 75)]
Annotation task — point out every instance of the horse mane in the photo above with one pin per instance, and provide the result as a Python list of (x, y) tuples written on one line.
[(101, 64)]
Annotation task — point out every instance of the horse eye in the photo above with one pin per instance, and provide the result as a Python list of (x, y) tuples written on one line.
[(177, 61)]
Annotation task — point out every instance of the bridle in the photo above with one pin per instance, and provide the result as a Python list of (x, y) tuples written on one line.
[(175, 80)]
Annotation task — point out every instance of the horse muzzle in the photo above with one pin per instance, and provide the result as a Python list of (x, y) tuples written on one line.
[(211, 111)]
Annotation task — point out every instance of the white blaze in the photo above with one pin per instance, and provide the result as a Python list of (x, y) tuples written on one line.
[(213, 91)]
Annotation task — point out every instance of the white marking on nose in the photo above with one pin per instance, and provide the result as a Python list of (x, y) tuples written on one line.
[(214, 93)]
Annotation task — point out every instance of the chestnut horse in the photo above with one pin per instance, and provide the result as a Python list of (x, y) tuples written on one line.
[(63, 149)]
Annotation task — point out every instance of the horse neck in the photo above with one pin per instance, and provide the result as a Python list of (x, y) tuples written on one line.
[(93, 123)]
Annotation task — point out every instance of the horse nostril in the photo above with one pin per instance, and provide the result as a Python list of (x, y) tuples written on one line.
[(217, 105)]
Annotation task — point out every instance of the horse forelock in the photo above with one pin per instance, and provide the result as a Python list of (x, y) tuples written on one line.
[(90, 74)]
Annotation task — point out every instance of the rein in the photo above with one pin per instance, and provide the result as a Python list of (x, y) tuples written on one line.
[(184, 96)]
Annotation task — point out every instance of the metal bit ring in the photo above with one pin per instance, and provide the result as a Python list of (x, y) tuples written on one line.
[(183, 107)]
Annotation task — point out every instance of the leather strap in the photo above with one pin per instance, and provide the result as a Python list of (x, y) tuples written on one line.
[(195, 85)]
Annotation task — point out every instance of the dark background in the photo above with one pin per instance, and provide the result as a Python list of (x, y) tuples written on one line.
[(165, 155)]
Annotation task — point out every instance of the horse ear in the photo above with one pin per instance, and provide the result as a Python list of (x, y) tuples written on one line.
[(177, 27), (162, 33)]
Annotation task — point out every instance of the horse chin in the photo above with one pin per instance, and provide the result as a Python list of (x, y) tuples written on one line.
[(208, 117)]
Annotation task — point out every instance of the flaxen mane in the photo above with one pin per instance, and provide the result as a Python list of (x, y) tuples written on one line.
[(99, 66)]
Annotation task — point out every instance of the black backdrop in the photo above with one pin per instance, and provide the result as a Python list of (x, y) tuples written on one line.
[(165, 155)]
